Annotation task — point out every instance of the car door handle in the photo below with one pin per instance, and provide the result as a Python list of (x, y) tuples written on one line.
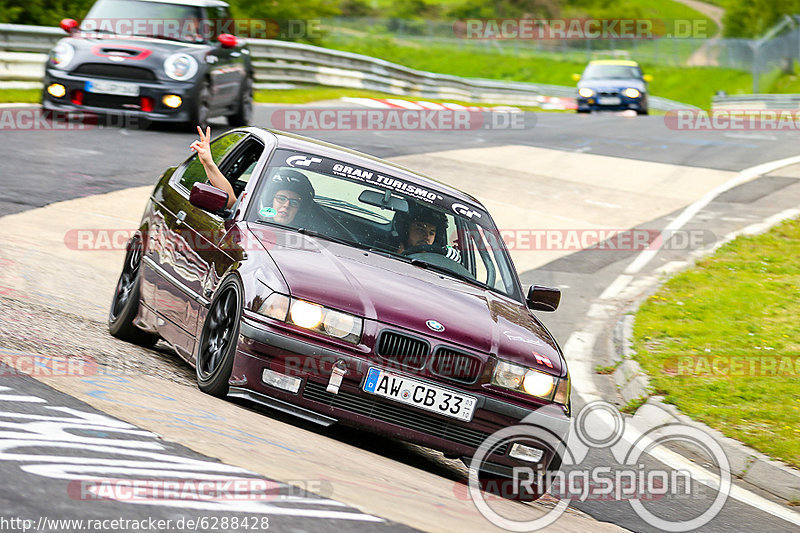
[(181, 216)]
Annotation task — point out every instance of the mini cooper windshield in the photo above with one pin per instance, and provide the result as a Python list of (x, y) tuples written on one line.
[(361, 207), (175, 22)]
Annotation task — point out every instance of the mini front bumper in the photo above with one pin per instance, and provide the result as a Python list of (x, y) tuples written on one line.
[(261, 348), (102, 104)]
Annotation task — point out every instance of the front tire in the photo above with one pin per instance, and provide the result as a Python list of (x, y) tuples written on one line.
[(202, 108), (244, 113), (217, 346), (125, 305)]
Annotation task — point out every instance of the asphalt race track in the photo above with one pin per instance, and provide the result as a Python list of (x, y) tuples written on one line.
[(559, 172)]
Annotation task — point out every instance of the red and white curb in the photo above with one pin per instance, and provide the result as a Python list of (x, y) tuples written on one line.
[(394, 103)]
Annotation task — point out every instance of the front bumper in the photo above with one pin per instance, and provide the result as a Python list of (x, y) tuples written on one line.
[(592, 103), (262, 348), (125, 106)]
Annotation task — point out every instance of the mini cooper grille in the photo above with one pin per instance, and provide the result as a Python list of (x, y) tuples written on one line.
[(407, 352), (110, 101), (458, 366), (120, 72), (398, 415)]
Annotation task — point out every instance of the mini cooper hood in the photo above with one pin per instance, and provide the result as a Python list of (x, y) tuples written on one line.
[(132, 51), (406, 297)]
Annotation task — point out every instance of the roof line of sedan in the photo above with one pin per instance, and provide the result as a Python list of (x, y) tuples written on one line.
[(300, 142)]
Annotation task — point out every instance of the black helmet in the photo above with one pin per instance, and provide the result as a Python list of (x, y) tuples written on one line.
[(420, 213), (290, 180)]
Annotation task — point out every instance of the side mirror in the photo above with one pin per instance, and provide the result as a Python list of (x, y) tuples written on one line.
[(227, 40), (208, 197), (648, 78), (69, 25), (543, 298), (576, 77)]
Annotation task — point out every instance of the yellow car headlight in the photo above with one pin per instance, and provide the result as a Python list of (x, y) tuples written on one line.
[(585, 92), (531, 381), (631, 92), (312, 316)]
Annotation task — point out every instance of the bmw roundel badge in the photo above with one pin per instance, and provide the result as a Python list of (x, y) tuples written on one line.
[(435, 326)]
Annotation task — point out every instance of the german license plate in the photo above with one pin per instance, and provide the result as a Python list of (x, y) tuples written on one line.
[(420, 394), (609, 100), (112, 87)]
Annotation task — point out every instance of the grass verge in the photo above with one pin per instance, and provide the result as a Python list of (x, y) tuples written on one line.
[(722, 341), (24, 96)]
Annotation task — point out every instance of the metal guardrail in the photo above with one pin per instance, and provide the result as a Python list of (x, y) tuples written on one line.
[(756, 101), (279, 62)]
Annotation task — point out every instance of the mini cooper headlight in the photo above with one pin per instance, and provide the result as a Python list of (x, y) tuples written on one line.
[(180, 67), (630, 92), (531, 381), (61, 55), (313, 317), (585, 92)]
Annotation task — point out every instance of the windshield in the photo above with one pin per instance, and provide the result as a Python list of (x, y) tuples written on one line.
[(146, 19), (614, 72), (365, 208)]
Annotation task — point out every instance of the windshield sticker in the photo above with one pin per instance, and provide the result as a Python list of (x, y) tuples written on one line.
[(464, 211), (385, 182), (332, 167), (267, 212), (302, 161)]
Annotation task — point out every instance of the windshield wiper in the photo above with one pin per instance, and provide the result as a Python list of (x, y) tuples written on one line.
[(312, 233), (444, 270)]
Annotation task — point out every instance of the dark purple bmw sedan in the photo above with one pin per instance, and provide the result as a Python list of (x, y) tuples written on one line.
[(342, 288)]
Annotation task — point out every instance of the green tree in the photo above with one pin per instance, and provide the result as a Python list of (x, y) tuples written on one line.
[(752, 18)]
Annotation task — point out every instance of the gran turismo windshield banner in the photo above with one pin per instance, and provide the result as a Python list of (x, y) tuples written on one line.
[(332, 167)]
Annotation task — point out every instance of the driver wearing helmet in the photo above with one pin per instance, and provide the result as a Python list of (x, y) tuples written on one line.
[(424, 230)]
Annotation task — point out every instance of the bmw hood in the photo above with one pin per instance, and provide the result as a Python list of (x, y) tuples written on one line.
[(610, 83), (406, 297)]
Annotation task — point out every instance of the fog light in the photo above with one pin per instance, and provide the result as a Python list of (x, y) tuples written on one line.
[(526, 453), (172, 100), (56, 89), (281, 381)]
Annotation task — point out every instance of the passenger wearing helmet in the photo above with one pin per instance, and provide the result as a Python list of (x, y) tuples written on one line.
[(423, 230), (284, 197), (287, 193)]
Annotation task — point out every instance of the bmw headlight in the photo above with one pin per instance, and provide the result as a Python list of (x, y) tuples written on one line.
[(180, 67), (531, 381), (585, 92), (312, 316), (630, 92), (61, 55)]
